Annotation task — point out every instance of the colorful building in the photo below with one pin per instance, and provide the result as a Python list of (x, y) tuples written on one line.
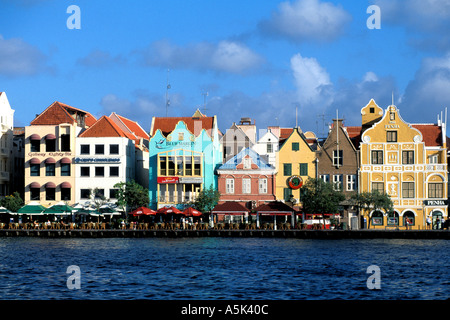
[(295, 164), (6, 146), (406, 161), (185, 153), (247, 178)]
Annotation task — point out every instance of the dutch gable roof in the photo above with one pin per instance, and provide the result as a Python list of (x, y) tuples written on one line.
[(194, 124), (58, 113)]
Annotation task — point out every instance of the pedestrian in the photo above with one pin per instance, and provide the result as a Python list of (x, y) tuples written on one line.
[(428, 223), (183, 222)]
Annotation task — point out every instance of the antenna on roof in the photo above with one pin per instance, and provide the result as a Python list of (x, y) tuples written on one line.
[(167, 93)]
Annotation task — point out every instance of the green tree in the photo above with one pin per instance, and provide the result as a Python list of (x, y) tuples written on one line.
[(12, 202), (373, 200), (207, 200), (318, 196), (132, 195)]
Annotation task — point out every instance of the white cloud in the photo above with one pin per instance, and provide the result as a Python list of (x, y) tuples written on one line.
[(18, 58), (100, 58), (307, 20), (225, 56)]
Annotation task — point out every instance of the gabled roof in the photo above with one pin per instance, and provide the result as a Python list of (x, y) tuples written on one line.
[(233, 162), (194, 124), (105, 127), (58, 113), (131, 125), (230, 207), (274, 207), (431, 134)]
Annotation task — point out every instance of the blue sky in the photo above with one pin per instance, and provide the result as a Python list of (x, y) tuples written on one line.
[(255, 58)]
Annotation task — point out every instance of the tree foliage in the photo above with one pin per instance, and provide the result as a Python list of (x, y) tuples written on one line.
[(373, 200), (207, 200), (318, 196), (132, 195), (12, 202)]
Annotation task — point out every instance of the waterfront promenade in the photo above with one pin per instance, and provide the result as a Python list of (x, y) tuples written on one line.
[(294, 233)]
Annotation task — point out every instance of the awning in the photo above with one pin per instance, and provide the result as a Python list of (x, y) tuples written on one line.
[(230, 208), (50, 136), (35, 161), (35, 137), (50, 185), (66, 185), (50, 160), (66, 160), (274, 208), (35, 185)]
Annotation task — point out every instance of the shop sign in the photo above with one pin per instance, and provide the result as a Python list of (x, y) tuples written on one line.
[(164, 144), (435, 202), (190, 180), (295, 182), (167, 179), (97, 160)]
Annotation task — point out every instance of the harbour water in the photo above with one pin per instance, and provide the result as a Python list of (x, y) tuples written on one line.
[(223, 268)]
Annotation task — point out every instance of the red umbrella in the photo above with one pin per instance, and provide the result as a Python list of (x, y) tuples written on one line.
[(192, 212), (143, 211), (166, 210)]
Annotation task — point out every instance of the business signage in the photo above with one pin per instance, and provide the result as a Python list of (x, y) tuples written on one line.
[(164, 144), (191, 180), (435, 202), (167, 180), (97, 160)]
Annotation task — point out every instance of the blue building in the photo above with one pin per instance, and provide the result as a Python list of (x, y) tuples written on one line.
[(185, 153)]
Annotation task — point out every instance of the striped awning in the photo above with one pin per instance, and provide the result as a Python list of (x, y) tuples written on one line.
[(35, 185), (35, 161), (35, 137), (66, 185), (50, 185)]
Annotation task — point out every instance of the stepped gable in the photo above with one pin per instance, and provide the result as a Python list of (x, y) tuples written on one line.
[(59, 112), (105, 127), (167, 124)]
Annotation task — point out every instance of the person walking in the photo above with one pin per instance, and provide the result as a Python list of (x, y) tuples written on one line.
[(428, 223)]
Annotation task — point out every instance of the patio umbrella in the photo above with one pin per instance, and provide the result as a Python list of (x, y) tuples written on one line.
[(59, 208), (191, 212), (173, 210), (34, 208), (143, 211), (4, 210)]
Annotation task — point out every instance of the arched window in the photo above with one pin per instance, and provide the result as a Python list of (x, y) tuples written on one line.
[(409, 219), (393, 219), (377, 218)]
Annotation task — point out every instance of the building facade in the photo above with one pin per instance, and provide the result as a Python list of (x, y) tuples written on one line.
[(185, 153), (406, 161), (247, 178), (6, 145)]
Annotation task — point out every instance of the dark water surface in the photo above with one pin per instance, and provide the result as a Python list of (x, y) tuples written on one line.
[(223, 268)]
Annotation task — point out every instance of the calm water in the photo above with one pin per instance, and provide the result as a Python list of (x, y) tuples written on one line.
[(223, 268)]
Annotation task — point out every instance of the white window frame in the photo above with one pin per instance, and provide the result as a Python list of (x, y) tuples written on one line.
[(247, 163), (337, 181), (325, 178), (230, 185), (246, 185), (351, 182), (263, 185)]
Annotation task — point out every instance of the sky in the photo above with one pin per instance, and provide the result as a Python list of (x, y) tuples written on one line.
[(285, 63)]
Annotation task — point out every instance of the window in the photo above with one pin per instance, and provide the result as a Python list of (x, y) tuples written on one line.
[(35, 145), (262, 185), (372, 110), (85, 171), (247, 163), (113, 171), (434, 159), (171, 166), (180, 136), (113, 149), (113, 193), (287, 169), (230, 185), (99, 194), (246, 185), (337, 181), (325, 178), (338, 157), (35, 170), (377, 157), (99, 149), (84, 149), (65, 142), (391, 136), (50, 145), (408, 157), (269, 148), (35, 194), (351, 182), (392, 116), (50, 169), (377, 218), (287, 194), (163, 166), (392, 219), (197, 166), (409, 218), (65, 169), (408, 189), (435, 190), (99, 171), (303, 169), (50, 194), (188, 166), (85, 193), (295, 146), (378, 186), (65, 194)]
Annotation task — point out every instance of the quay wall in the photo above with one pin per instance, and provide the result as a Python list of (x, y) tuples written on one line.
[(298, 234)]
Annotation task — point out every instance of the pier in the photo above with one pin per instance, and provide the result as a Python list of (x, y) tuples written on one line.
[(296, 234)]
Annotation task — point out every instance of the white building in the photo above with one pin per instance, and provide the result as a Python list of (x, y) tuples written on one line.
[(267, 146), (6, 143), (105, 155)]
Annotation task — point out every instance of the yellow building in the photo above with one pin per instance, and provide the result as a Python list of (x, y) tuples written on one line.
[(296, 162), (406, 161)]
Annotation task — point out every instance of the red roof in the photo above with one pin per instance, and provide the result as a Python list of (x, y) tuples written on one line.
[(432, 134), (105, 127), (194, 125), (59, 112), (230, 207), (132, 126)]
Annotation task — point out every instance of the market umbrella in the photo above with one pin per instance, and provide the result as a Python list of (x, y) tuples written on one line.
[(173, 210), (143, 211), (59, 208), (4, 210), (191, 212), (33, 207)]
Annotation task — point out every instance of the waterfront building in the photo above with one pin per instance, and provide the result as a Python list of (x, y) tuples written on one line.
[(338, 163), (18, 161), (105, 155), (247, 178), (406, 161), (267, 146), (50, 152), (295, 164), (185, 153), (6, 145), (238, 137), (141, 150)]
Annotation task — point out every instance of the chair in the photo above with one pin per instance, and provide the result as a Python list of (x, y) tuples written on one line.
[(103, 226), (271, 226)]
